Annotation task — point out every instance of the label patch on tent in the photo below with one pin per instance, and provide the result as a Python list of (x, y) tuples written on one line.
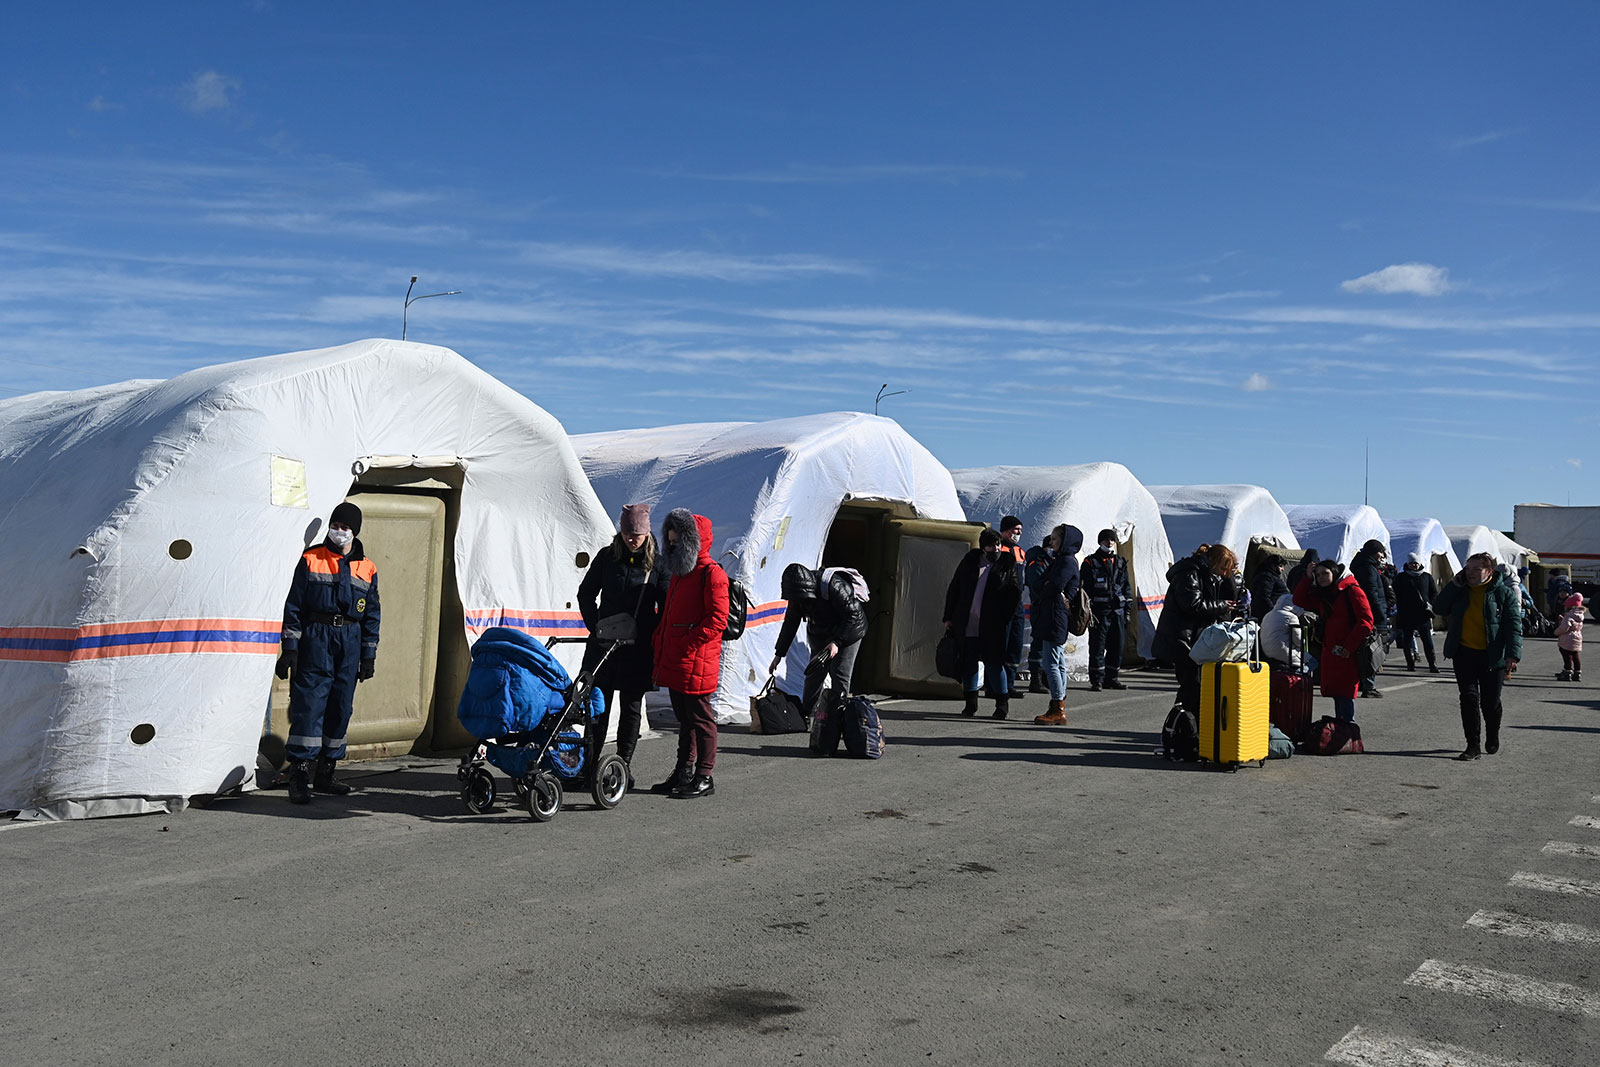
[(289, 483)]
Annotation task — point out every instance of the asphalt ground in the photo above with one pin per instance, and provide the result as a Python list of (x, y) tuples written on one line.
[(988, 892)]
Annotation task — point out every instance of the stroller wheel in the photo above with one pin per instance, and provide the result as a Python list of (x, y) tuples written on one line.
[(544, 798), (610, 781), (478, 793)]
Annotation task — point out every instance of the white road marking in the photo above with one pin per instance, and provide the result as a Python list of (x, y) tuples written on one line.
[(1486, 984), (1555, 883), (1406, 685), (1588, 822), (1569, 848), (1502, 922), (1364, 1048)]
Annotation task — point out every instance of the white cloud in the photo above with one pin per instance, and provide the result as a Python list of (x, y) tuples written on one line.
[(1458, 144), (1575, 463), (210, 91), (1423, 279), (815, 175), (101, 104), (601, 259), (1257, 383)]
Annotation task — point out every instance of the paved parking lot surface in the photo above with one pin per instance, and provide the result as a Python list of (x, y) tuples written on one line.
[(989, 892)]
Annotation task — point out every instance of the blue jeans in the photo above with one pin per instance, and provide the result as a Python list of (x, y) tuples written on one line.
[(1054, 666), (995, 677), (1344, 708)]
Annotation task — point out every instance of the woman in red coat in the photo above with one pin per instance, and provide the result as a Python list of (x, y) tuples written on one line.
[(688, 648), (1346, 615)]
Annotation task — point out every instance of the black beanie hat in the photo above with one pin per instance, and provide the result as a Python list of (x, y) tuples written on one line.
[(348, 514)]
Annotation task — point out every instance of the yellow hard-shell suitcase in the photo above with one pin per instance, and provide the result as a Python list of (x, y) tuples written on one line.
[(1235, 705)]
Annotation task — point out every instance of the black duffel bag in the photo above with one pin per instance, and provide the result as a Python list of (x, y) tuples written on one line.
[(773, 711)]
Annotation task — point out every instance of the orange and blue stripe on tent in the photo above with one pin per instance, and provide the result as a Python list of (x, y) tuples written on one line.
[(65, 644)]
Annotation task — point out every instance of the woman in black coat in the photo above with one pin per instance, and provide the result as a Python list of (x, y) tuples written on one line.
[(978, 605), (1202, 591), (625, 582)]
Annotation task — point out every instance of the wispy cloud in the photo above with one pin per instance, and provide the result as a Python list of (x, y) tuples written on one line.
[(1257, 383), (1400, 320), (800, 174), (936, 319), (1422, 279), (210, 90), (1237, 294), (100, 105), (1459, 144), (683, 263), (1576, 463)]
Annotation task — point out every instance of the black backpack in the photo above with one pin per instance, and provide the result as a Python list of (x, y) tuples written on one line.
[(738, 609), (1180, 738)]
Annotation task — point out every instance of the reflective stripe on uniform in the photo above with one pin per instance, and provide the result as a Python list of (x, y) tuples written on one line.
[(333, 742), (305, 742)]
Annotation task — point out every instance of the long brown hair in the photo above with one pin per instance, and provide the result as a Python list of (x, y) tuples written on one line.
[(1223, 561), (621, 551)]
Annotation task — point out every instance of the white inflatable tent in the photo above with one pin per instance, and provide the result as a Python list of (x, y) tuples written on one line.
[(1092, 497), (1336, 531), (774, 492), (1427, 538), (1470, 540), (152, 529), (1230, 515)]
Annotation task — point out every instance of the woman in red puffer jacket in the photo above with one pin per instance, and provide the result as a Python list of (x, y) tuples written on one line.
[(688, 648), (1336, 598)]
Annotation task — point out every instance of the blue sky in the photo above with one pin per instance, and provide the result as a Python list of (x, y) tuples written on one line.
[(1212, 242)]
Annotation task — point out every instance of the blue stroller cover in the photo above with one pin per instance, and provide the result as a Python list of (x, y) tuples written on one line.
[(513, 684)]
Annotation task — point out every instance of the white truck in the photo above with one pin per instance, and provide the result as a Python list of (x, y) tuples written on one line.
[(1564, 537)]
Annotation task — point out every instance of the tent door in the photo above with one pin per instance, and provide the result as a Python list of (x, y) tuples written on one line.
[(1130, 620), (406, 536), (920, 555)]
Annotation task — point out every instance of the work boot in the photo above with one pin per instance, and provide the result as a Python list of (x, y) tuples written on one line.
[(1002, 705), (697, 785), (323, 781), (628, 766), (680, 774), (1373, 692), (1564, 676), (1411, 661), (971, 706), (1057, 715), (1094, 686), (299, 781), (1577, 676), (1433, 668), (1471, 753), (1036, 685), (1114, 684), (1015, 694)]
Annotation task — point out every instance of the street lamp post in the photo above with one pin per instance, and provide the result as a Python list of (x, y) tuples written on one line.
[(406, 311), (882, 396)]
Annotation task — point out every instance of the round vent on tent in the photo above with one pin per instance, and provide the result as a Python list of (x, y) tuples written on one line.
[(582, 559), (180, 549), (142, 734)]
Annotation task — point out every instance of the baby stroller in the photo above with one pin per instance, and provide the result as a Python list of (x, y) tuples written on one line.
[(525, 711)]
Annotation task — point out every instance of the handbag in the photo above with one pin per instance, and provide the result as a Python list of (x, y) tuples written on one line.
[(772, 711), (1333, 737), (622, 626), (1225, 642), (947, 657), (1370, 656)]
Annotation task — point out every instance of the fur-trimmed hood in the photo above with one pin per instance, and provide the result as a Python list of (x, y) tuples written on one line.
[(694, 541)]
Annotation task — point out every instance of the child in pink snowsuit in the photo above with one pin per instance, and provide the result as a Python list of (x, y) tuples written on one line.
[(1569, 638)]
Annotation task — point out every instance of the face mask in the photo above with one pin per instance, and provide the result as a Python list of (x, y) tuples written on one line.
[(340, 538), (1108, 547), (991, 554), (1485, 579)]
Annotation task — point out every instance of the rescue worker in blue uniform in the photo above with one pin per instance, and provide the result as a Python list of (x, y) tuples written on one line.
[(1105, 576), (330, 643)]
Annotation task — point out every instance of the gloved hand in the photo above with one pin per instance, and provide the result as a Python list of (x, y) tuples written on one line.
[(366, 670), (286, 662)]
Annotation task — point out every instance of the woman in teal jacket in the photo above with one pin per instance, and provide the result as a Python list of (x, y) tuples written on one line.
[(1484, 643)]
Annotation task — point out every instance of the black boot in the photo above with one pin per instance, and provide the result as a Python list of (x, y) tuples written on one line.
[(323, 781), (1411, 660), (680, 774), (299, 781), (971, 706), (698, 785), (1002, 705), (628, 765)]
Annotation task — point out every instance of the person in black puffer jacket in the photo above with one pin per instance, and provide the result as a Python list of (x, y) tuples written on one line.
[(836, 621), (1266, 587), (1057, 585), (1201, 591), (1367, 568), (625, 579), (1414, 590)]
